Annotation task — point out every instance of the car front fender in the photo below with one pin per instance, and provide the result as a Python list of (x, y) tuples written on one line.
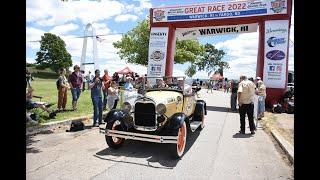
[(200, 106), (176, 120), (114, 115)]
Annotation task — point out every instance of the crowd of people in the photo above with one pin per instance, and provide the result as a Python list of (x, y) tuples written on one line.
[(104, 90)]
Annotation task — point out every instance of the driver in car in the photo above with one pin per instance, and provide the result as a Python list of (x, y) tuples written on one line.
[(185, 87), (160, 84)]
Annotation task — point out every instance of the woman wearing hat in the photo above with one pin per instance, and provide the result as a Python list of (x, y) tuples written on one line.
[(128, 85)]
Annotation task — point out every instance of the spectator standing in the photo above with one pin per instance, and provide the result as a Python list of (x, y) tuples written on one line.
[(246, 92), (83, 81), (234, 91), (113, 95), (96, 85), (106, 81), (261, 92), (115, 77), (29, 78), (128, 85), (62, 86), (210, 86), (75, 81)]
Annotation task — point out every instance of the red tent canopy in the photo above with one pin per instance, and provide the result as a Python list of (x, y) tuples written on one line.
[(126, 70), (217, 77)]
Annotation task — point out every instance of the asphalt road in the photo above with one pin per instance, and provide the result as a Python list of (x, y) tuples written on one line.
[(217, 152)]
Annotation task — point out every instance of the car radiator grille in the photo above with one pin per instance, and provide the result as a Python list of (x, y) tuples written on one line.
[(145, 114)]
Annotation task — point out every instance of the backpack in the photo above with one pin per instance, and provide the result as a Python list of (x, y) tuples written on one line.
[(58, 83), (34, 116), (277, 108), (76, 126)]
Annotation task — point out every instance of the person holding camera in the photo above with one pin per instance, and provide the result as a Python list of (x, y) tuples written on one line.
[(96, 85)]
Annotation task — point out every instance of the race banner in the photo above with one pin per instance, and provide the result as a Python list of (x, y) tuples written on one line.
[(193, 33), (157, 51), (275, 55), (220, 10)]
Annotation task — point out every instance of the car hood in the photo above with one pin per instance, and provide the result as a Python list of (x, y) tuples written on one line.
[(164, 97)]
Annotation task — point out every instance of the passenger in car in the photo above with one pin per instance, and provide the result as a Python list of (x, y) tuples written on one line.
[(185, 87), (160, 84)]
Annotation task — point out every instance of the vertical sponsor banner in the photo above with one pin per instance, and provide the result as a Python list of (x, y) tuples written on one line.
[(275, 55), (157, 51)]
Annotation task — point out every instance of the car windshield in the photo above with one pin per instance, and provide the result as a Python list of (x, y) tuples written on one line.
[(165, 82)]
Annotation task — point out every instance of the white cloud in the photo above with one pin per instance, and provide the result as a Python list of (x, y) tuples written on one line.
[(56, 12), (33, 34), (30, 60), (64, 29), (144, 4), (126, 17), (50, 13)]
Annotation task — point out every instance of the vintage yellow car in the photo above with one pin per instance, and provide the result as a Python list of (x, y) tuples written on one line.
[(164, 113)]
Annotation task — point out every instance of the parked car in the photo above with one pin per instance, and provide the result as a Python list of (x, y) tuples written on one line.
[(162, 115)]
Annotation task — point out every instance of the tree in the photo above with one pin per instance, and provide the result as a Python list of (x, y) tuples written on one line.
[(53, 53), (134, 45), (191, 70), (211, 60)]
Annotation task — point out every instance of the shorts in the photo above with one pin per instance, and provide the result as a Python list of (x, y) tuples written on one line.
[(75, 93), (30, 105)]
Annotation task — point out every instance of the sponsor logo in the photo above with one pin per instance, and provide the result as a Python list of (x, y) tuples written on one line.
[(278, 6), (159, 15), (275, 55), (193, 32), (158, 34), (175, 11), (275, 30), (273, 41), (253, 4), (271, 68), (157, 55)]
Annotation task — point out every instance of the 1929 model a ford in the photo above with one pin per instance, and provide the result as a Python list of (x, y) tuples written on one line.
[(164, 113)]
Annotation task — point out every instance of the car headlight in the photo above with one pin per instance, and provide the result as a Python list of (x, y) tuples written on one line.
[(126, 107), (161, 109)]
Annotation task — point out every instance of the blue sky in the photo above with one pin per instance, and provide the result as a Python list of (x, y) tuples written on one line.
[(69, 19)]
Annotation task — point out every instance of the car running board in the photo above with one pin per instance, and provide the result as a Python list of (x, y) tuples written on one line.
[(194, 125)]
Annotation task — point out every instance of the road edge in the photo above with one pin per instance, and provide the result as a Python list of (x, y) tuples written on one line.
[(51, 125), (284, 144)]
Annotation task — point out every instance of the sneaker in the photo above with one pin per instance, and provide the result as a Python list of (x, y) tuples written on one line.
[(252, 132), (242, 132)]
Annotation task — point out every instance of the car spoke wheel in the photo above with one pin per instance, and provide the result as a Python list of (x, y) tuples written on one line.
[(114, 142), (182, 139)]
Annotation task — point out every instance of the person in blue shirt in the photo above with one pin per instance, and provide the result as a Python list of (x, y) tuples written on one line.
[(128, 85), (96, 85)]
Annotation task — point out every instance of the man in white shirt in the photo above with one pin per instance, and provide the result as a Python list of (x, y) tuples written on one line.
[(246, 92)]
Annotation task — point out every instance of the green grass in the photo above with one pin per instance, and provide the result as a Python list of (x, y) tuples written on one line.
[(47, 89)]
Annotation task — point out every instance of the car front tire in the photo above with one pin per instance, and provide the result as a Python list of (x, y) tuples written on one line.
[(114, 142), (177, 150)]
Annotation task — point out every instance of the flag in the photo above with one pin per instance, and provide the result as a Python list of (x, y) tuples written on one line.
[(99, 39)]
